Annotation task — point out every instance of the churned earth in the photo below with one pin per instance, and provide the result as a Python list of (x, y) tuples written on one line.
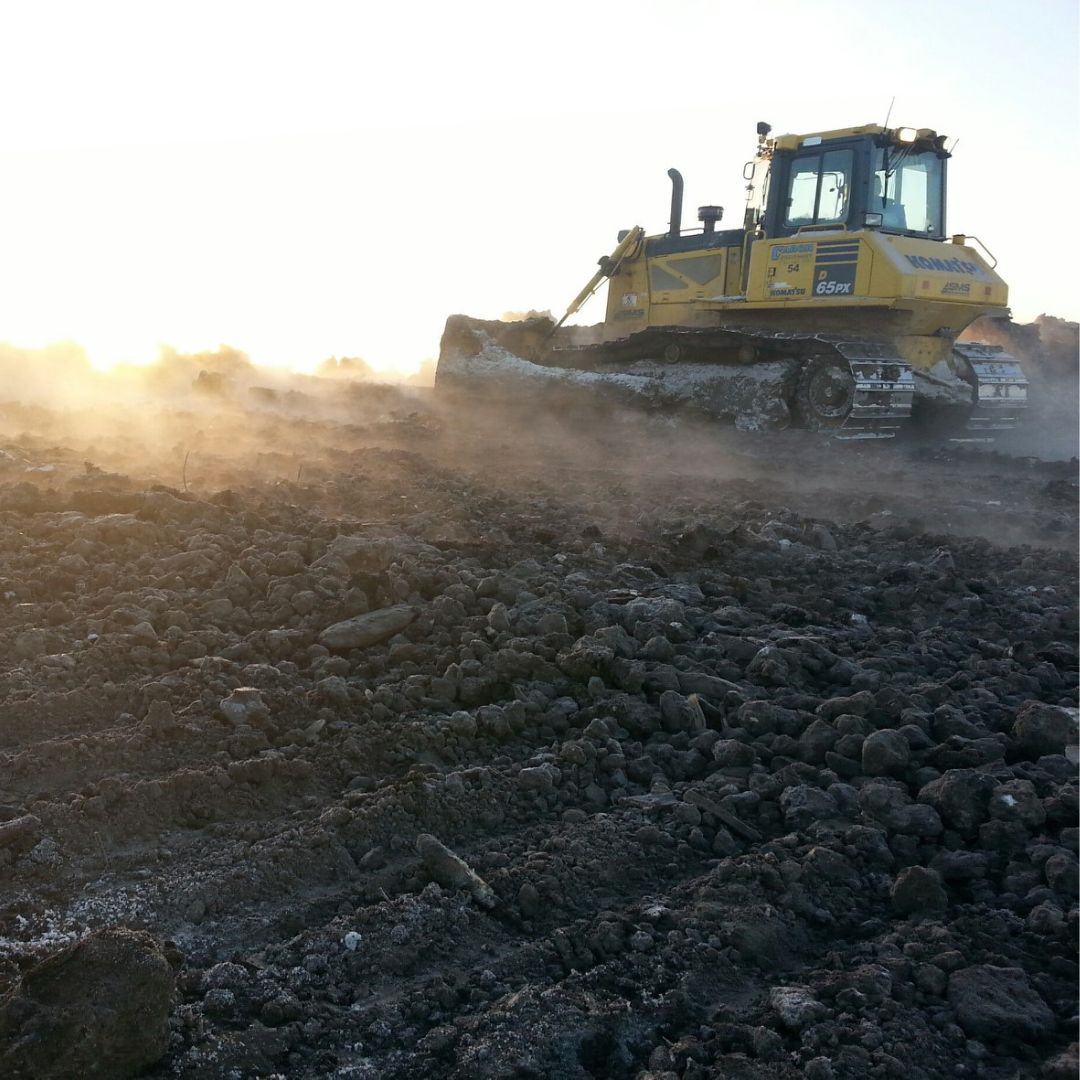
[(348, 736)]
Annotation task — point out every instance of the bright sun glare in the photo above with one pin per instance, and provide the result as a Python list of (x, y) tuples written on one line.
[(299, 203), (105, 351)]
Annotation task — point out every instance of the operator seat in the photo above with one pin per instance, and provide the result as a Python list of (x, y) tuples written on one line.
[(893, 215)]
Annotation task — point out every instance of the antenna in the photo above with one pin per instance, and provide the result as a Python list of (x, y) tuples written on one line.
[(955, 144), (889, 113)]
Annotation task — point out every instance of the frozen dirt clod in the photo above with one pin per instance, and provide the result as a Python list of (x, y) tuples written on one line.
[(918, 891), (998, 1003), (99, 1008), (1045, 729), (451, 871), (796, 1007), (369, 629), (20, 832), (244, 705)]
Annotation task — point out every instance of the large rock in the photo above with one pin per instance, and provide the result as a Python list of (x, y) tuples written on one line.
[(1044, 729), (678, 713), (918, 891), (888, 802), (803, 804), (1017, 800), (796, 1007), (1063, 1066), (960, 796), (762, 717), (999, 1003), (244, 705), (858, 704), (374, 554), (97, 1009), (817, 740), (21, 832), (363, 630), (451, 871), (1062, 874), (708, 686), (884, 753)]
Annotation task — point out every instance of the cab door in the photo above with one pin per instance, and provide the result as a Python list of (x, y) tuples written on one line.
[(815, 190)]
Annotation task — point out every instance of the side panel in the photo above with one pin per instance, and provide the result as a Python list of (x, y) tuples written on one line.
[(627, 300), (827, 266), (687, 276), (831, 267), (926, 270), (667, 289), (679, 282)]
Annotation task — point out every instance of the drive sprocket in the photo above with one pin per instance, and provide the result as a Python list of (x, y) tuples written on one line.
[(824, 393)]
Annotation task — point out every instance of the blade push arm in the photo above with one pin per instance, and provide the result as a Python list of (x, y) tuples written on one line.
[(608, 265)]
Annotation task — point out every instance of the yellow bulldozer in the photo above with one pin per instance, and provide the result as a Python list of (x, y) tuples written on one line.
[(835, 306)]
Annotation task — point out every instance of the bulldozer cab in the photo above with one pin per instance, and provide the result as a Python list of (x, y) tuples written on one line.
[(858, 178)]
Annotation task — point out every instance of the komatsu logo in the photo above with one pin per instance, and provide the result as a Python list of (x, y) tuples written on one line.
[(952, 266)]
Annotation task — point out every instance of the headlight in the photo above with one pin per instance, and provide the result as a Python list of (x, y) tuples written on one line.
[(906, 135)]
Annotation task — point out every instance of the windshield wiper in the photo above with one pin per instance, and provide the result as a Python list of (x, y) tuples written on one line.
[(901, 157)]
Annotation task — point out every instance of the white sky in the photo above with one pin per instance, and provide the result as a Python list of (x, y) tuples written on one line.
[(311, 179)]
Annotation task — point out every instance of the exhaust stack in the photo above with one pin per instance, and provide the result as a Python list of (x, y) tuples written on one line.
[(675, 224)]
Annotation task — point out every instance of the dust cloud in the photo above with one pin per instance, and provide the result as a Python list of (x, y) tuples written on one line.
[(525, 316), (62, 422), (1049, 349), (203, 422)]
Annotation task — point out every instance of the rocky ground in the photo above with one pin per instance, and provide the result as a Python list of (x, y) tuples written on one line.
[(398, 744)]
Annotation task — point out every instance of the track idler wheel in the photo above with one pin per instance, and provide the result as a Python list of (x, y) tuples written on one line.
[(825, 393)]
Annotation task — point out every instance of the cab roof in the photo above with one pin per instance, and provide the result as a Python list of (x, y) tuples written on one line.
[(794, 142)]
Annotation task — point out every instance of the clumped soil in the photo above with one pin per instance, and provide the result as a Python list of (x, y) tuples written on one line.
[(377, 741)]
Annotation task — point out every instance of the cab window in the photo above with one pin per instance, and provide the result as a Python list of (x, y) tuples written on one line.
[(907, 191), (818, 188)]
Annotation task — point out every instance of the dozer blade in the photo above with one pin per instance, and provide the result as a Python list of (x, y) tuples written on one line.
[(884, 390), (1000, 393), (665, 368)]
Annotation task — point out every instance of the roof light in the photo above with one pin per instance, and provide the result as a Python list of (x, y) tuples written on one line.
[(906, 135), (814, 140)]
